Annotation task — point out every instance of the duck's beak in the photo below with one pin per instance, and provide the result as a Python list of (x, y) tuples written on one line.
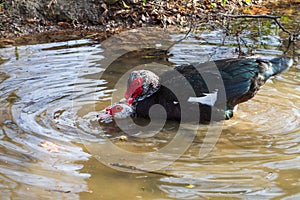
[(105, 114), (128, 93)]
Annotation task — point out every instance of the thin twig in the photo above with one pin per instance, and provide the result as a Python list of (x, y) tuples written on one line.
[(282, 28), (250, 16), (293, 36), (239, 44), (50, 3), (186, 35), (246, 45), (178, 41)]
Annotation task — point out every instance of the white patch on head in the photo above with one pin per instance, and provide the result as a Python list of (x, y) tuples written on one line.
[(125, 113), (175, 102), (150, 78), (209, 99), (150, 83)]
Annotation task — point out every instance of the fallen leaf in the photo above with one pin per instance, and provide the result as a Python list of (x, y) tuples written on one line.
[(122, 138), (256, 10), (30, 20), (64, 24), (190, 186), (125, 5), (7, 41)]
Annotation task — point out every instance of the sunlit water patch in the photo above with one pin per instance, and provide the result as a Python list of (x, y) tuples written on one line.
[(38, 132)]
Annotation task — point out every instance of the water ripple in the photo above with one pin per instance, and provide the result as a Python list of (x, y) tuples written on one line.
[(51, 93)]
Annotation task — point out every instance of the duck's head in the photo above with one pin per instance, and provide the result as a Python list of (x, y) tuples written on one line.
[(141, 84), (119, 110)]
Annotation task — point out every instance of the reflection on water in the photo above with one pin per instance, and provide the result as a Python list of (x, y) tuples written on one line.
[(51, 94)]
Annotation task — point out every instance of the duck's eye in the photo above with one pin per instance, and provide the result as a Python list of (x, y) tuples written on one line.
[(118, 107), (136, 83)]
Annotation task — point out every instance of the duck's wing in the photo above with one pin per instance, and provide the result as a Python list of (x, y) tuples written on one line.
[(185, 81)]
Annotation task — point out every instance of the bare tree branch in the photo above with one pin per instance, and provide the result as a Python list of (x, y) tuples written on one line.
[(293, 36), (250, 16)]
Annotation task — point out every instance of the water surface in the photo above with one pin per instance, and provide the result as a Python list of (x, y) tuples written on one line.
[(51, 93)]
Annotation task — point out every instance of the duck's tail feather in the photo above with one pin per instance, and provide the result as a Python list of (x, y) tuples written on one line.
[(279, 65)]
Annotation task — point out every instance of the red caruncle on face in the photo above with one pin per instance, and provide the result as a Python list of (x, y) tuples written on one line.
[(113, 110), (134, 89)]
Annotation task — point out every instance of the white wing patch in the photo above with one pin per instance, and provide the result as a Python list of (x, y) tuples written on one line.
[(209, 99)]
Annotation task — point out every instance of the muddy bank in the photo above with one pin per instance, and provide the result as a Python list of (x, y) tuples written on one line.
[(23, 21)]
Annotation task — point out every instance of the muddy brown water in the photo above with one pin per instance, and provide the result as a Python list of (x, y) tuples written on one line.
[(52, 146)]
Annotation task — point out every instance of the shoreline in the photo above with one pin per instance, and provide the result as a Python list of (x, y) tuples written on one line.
[(30, 22)]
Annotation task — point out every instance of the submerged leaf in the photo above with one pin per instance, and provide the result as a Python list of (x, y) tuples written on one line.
[(190, 186), (122, 138)]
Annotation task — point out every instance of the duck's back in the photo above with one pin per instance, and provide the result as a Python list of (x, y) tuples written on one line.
[(217, 85), (244, 77), (241, 78)]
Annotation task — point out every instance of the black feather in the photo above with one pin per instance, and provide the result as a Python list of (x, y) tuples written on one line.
[(239, 79)]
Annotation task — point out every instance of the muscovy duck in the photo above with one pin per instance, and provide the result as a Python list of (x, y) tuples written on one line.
[(241, 78), (119, 110)]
